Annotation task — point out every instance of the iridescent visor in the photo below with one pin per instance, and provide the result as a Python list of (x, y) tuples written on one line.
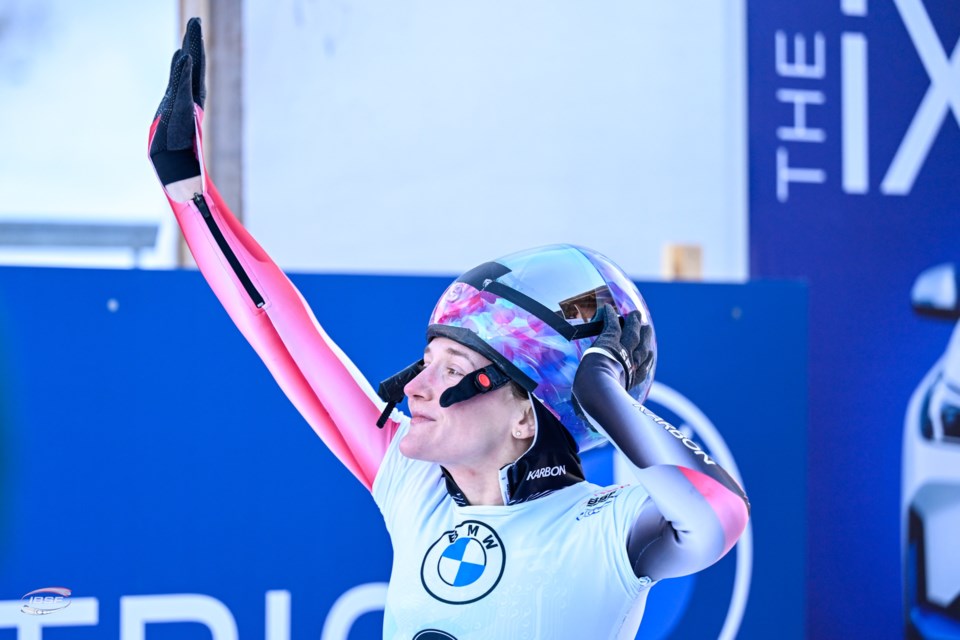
[(530, 280)]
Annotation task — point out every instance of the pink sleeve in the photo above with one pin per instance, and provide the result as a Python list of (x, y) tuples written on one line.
[(697, 521), (701, 510), (324, 385)]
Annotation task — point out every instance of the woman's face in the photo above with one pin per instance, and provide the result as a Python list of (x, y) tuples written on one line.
[(476, 433)]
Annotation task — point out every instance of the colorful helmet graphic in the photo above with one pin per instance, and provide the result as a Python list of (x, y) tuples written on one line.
[(532, 314)]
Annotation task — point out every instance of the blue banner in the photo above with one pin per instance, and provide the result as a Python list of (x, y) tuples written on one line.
[(155, 483), (854, 152)]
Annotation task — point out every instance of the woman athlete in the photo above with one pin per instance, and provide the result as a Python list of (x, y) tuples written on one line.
[(495, 531)]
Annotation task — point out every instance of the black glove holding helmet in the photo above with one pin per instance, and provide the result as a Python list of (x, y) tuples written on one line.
[(173, 150), (630, 345)]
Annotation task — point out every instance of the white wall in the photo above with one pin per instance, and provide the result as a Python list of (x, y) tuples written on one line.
[(425, 136), (79, 85), (414, 136)]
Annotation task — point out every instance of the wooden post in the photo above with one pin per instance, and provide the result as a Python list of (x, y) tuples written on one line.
[(682, 262), (223, 121)]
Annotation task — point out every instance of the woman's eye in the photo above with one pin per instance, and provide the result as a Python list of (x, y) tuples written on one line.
[(453, 372)]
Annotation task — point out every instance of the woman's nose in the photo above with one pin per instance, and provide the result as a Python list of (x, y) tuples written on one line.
[(419, 386)]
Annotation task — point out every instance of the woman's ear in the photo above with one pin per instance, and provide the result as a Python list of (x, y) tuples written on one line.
[(526, 426)]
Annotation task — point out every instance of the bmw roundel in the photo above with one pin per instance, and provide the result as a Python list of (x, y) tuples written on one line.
[(433, 634), (465, 564)]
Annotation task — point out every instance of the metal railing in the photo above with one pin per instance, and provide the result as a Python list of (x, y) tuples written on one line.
[(135, 237)]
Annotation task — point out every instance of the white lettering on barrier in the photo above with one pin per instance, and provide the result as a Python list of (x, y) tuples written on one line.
[(82, 612), (138, 611), (364, 598), (278, 615)]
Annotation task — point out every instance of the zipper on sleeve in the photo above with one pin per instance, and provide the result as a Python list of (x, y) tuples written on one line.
[(231, 257)]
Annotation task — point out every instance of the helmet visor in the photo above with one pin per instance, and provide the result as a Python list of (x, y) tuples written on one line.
[(587, 281)]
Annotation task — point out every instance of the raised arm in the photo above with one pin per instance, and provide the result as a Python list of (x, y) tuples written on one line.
[(700, 510), (316, 375)]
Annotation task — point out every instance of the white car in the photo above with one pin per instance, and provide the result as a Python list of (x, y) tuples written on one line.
[(930, 503)]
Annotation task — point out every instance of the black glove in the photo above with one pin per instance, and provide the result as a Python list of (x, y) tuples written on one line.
[(630, 346), (172, 150)]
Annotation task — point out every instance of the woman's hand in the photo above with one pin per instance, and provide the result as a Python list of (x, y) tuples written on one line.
[(630, 346), (173, 149)]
